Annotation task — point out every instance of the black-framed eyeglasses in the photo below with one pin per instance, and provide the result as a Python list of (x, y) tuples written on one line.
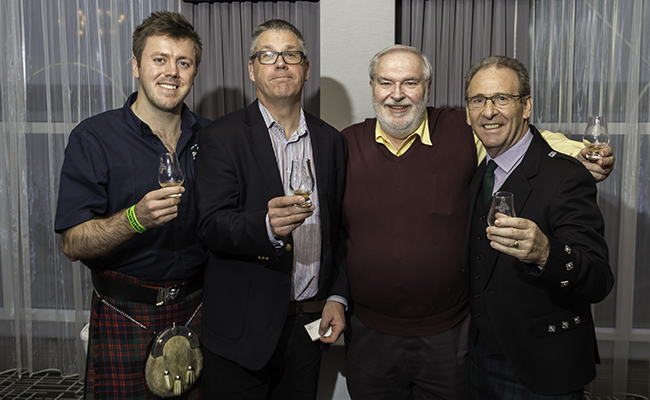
[(499, 100), (268, 57)]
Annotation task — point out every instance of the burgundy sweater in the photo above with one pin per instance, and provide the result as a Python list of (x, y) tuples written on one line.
[(406, 218)]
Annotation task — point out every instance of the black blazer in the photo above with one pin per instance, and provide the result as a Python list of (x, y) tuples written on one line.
[(542, 321), (247, 282)]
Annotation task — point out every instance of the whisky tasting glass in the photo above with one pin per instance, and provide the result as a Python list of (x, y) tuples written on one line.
[(302, 180)]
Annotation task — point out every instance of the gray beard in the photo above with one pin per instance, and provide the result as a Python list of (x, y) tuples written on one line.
[(400, 131)]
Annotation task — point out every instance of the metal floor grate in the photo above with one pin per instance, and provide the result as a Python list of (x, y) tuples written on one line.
[(46, 385)]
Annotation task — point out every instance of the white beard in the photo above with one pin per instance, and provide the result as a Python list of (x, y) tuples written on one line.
[(404, 129)]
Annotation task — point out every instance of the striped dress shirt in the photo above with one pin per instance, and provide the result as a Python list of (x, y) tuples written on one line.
[(307, 237)]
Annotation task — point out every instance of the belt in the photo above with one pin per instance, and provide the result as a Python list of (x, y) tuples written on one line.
[(299, 307), (143, 294)]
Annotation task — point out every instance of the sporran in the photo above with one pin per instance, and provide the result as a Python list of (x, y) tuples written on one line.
[(174, 363)]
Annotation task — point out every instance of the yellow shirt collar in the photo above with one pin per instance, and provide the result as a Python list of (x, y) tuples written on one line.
[(422, 131)]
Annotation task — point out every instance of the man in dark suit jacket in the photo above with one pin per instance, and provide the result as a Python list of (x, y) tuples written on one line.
[(275, 263), (533, 277)]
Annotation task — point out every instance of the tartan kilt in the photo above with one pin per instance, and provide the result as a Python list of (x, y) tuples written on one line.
[(118, 348)]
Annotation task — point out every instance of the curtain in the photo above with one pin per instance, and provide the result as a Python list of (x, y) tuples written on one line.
[(591, 57), (62, 61), (226, 28), (454, 34)]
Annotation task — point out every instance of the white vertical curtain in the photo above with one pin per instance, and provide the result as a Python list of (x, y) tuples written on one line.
[(591, 57), (62, 61)]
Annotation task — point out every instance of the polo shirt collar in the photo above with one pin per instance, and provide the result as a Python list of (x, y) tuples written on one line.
[(422, 132), (189, 123)]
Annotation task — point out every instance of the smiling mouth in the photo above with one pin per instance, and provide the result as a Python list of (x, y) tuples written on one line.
[(397, 108), (491, 126), (168, 86)]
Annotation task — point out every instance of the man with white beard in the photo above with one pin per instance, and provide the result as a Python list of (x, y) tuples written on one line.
[(405, 212)]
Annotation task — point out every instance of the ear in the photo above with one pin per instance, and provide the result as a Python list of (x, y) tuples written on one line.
[(469, 121), (134, 66), (251, 75), (306, 70), (528, 107)]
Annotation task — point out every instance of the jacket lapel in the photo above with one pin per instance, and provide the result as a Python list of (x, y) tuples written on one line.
[(320, 149), (474, 187), (258, 137)]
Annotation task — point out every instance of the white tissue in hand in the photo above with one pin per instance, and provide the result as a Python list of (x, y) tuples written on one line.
[(312, 330)]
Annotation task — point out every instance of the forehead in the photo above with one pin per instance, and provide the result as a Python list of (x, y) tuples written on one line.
[(399, 65), (493, 80), (277, 39), (165, 44)]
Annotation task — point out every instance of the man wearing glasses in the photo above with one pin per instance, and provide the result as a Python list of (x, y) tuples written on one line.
[(405, 212), (532, 278), (275, 264)]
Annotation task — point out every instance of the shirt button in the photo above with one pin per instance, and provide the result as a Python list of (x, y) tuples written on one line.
[(477, 295), (482, 218), (479, 238), (477, 315), (288, 247), (478, 276), (478, 257)]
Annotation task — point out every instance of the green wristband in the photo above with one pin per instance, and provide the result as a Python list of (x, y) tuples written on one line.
[(130, 214)]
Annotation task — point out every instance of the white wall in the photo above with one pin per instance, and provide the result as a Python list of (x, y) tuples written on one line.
[(351, 32)]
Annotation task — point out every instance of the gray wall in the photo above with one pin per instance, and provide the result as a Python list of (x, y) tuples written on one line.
[(351, 32)]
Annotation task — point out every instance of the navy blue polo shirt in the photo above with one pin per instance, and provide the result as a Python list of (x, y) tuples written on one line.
[(111, 162)]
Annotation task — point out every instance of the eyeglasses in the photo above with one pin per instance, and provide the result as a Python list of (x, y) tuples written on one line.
[(499, 101), (269, 57)]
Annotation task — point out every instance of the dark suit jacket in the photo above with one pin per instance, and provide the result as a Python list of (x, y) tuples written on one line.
[(542, 321), (247, 282)]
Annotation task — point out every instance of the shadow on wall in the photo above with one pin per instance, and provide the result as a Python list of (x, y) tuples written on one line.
[(216, 103), (331, 384), (335, 104)]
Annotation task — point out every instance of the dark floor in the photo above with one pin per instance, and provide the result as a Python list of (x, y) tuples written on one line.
[(50, 385), (47, 385)]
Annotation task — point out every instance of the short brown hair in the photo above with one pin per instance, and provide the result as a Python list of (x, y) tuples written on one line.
[(165, 23), (500, 62)]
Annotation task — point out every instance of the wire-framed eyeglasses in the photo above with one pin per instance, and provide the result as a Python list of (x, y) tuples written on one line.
[(499, 100), (268, 57)]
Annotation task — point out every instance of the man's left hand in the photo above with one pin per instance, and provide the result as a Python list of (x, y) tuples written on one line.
[(334, 316), (600, 169), (520, 238)]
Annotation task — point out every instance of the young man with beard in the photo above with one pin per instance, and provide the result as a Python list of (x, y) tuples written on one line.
[(275, 264), (139, 240), (405, 211)]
